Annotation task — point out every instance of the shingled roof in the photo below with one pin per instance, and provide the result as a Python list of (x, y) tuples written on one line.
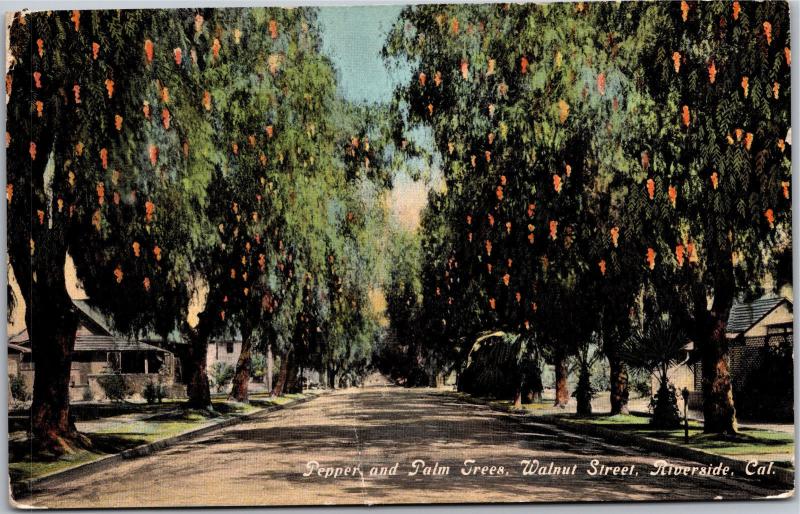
[(111, 344), (744, 315), (100, 336), (92, 315)]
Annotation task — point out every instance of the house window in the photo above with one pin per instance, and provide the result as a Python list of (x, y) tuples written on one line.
[(229, 347), (133, 362), (783, 328)]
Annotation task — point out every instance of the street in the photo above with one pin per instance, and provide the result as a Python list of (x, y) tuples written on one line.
[(263, 461)]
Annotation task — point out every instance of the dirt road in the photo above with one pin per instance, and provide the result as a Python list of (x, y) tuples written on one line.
[(263, 461)]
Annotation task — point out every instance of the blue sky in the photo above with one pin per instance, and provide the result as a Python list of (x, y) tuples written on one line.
[(353, 37)]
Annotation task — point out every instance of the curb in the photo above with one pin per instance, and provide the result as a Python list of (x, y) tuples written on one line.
[(780, 476), (23, 489)]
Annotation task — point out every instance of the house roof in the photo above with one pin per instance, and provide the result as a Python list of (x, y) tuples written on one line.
[(18, 348), (92, 318), (100, 336), (111, 344), (92, 315), (93, 343), (19, 338), (744, 316), (100, 326)]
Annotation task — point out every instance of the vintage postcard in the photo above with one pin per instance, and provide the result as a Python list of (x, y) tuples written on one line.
[(399, 254)]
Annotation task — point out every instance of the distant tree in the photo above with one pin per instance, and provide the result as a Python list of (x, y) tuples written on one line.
[(584, 143), (514, 95)]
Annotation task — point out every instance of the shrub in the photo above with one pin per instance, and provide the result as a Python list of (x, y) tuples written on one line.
[(497, 366), (16, 384), (258, 367), (655, 349), (600, 373), (665, 407), (639, 381), (154, 392), (114, 386), (221, 375)]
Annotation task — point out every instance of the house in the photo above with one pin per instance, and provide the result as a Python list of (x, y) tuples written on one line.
[(99, 351), (752, 326), (20, 365), (225, 350)]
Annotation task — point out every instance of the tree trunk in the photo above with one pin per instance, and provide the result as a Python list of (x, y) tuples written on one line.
[(532, 390), (37, 253), (531, 396), (52, 323), (562, 392), (719, 413), (52, 332), (584, 392), (331, 377), (292, 371), (197, 387), (283, 375), (619, 385), (518, 398), (241, 377), (270, 364)]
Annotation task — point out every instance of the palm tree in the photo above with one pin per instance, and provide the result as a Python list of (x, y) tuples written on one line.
[(586, 357), (656, 348), (503, 365)]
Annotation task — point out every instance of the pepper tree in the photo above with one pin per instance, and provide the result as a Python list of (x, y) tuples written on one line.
[(88, 172)]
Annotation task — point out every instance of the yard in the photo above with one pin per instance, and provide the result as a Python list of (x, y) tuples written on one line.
[(129, 425)]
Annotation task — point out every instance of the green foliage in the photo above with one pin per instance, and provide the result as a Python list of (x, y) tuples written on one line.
[(510, 94), (598, 165), (93, 188), (656, 349), (501, 365), (221, 375), (574, 182), (17, 388), (665, 407), (114, 385), (586, 358), (154, 392), (640, 381), (199, 154), (258, 366)]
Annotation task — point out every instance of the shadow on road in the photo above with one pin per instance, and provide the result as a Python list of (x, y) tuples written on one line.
[(262, 461)]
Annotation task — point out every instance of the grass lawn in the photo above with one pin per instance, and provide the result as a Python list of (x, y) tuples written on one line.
[(23, 466), (120, 436), (25, 469), (264, 399), (750, 442), (536, 406)]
